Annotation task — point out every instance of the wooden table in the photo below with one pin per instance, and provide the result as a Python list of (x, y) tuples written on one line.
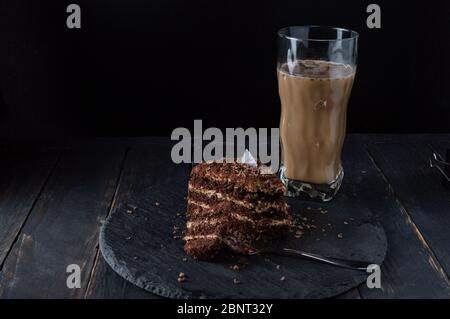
[(54, 195)]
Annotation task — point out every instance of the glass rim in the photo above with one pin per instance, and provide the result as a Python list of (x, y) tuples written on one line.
[(282, 33)]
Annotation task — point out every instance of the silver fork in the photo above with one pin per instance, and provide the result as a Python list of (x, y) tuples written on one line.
[(438, 162), (343, 263)]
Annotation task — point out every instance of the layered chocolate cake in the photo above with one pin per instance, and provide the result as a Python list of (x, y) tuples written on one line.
[(233, 206)]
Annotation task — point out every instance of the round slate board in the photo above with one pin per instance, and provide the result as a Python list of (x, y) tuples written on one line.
[(137, 241)]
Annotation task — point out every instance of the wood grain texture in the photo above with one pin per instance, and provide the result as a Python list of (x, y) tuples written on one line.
[(420, 191), (399, 138), (23, 173), (415, 265), (148, 162), (410, 269), (63, 226)]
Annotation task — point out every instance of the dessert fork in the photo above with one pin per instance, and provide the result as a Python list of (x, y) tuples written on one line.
[(339, 262)]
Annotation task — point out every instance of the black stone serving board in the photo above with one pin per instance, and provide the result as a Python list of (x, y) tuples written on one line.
[(138, 242)]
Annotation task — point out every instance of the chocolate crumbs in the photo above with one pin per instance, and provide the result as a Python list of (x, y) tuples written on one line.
[(181, 277)]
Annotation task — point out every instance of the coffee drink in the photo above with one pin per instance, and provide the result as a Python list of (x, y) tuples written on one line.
[(316, 68), (314, 96)]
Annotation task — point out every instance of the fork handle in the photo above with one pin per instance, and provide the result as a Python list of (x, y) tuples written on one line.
[(344, 263)]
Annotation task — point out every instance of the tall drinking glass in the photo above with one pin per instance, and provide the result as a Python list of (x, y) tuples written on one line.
[(316, 68)]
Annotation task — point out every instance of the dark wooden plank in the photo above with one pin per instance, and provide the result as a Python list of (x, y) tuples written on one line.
[(22, 176), (420, 191), (401, 268), (63, 226), (410, 269), (148, 162), (372, 138), (403, 261)]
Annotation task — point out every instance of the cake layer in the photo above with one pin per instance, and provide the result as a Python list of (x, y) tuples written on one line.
[(232, 205), (239, 176), (206, 246), (198, 209), (203, 246), (209, 196), (238, 193), (224, 224)]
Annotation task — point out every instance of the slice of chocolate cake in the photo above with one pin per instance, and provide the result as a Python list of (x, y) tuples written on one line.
[(233, 205)]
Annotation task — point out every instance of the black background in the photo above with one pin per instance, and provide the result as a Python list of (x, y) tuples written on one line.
[(145, 67)]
